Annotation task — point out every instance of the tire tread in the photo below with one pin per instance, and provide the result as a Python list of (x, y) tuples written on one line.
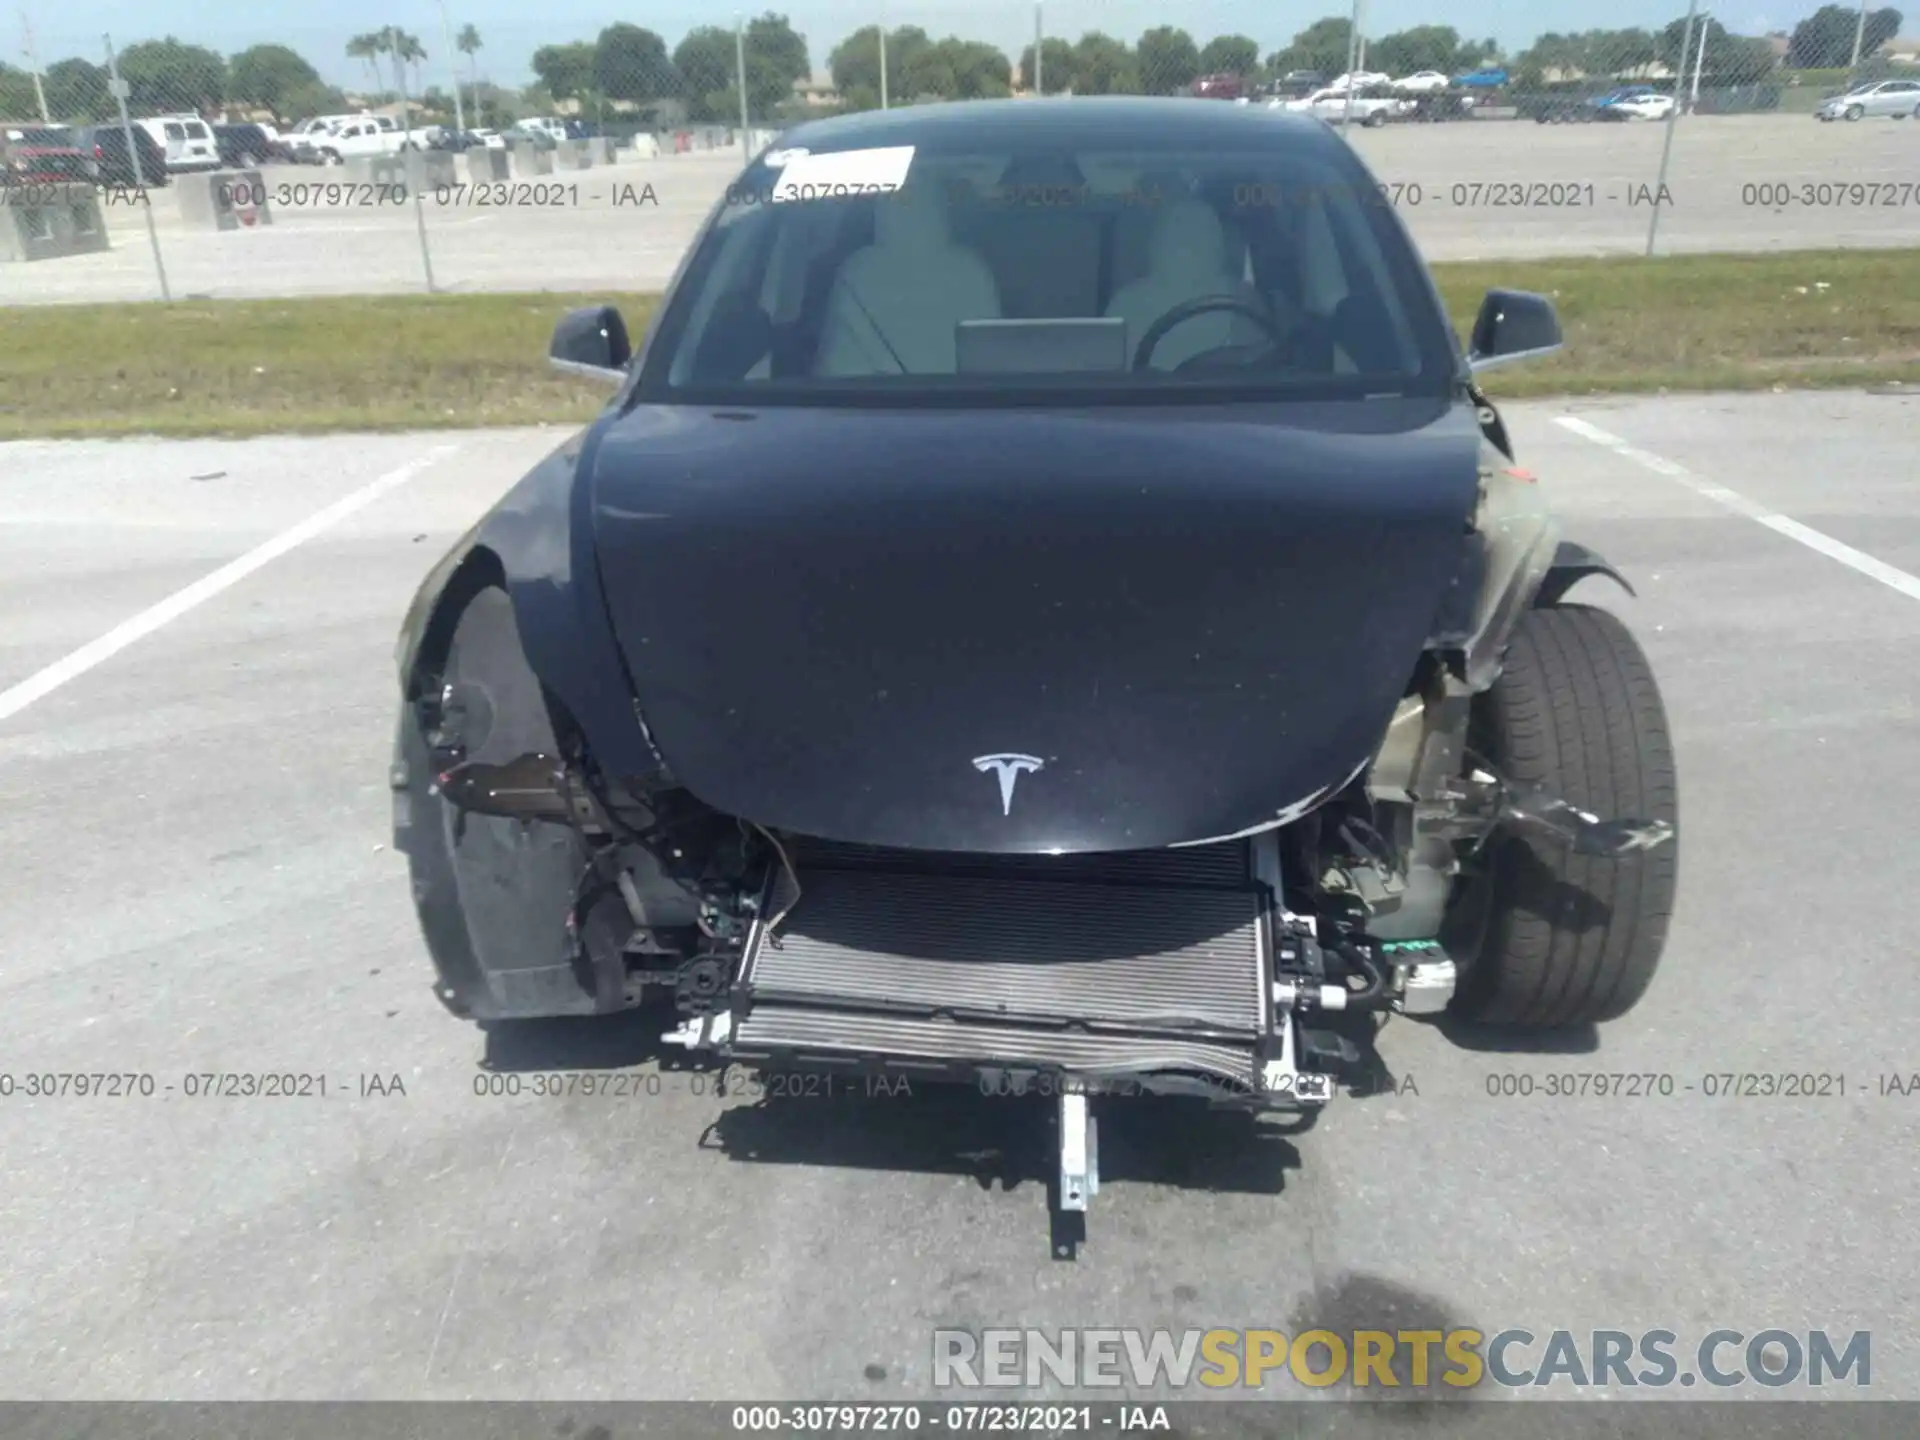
[(1575, 939)]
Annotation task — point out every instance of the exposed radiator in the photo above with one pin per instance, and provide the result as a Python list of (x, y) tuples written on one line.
[(1165, 959), (781, 1029)]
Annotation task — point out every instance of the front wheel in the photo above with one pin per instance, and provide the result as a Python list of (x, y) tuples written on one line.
[(1547, 938), (1854, 112)]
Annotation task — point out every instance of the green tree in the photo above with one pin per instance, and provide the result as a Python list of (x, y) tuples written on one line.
[(1169, 60), (855, 62), (782, 52), (16, 93), (77, 90), (468, 43), (1103, 65), (1595, 54), (953, 69), (167, 75), (406, 49), (565, 71), (1056, 66), (304, 101), (1424, 47), (265, 75), (630, 63), (1322, 46), (1825, 38), (366, 48), (1230, 55), (704, 61)]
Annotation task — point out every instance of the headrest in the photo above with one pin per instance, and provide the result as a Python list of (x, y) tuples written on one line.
[(913, 217), (1187, 239)]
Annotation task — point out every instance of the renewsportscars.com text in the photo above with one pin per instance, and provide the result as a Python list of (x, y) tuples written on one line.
[(1460, 1359)]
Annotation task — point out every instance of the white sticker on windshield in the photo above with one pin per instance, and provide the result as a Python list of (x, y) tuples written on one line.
[(844, 173)]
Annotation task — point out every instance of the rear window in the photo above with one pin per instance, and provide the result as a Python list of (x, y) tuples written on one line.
[(175, 131), (196, 131), (1041, 274)]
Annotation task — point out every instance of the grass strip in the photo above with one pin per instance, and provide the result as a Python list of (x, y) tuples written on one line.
[(410, 362)]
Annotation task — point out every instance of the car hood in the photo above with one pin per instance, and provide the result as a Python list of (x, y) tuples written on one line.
[(867, 626)]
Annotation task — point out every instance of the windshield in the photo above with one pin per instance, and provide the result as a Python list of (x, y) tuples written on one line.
[(1028, 275)]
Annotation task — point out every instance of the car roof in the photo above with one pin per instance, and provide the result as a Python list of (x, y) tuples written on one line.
[(1095, 121)]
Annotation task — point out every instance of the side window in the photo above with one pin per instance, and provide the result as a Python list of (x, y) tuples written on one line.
[(176, 131), (196, 131)]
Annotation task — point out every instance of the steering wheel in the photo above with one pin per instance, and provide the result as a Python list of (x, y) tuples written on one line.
[(1204, 305)]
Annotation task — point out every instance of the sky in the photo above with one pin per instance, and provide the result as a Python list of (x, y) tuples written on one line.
[(512, 29)]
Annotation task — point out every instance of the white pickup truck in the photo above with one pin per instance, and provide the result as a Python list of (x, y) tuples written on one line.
[(335, 139), (1331, 104)]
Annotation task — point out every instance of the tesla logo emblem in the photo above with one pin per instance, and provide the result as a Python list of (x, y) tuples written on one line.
[(1009, 768)]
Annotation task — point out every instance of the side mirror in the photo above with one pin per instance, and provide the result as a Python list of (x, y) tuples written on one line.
[(1512, 325), (592, 342)]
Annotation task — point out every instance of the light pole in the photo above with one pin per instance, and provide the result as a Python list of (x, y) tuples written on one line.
[(1859, 34), (1666, 147), (740, 66), (1699, 61), (1356, 49), (883, 57), (446, 29), (33, 64)]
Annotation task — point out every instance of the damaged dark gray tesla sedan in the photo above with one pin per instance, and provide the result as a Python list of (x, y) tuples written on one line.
[(1048, 605)]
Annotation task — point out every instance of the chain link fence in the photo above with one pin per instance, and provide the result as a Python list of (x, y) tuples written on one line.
[(427, 155)]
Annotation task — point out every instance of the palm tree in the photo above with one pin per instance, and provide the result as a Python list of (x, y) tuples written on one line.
[(467, 42), (407, 50), (366, 47)]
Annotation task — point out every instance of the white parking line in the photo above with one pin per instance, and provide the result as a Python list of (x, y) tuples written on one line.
[(1888, 575), (43, 683)]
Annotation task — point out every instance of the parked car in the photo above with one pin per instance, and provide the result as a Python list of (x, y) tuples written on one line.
[(1642, 105), (187, 141), (40, 155), (1896, 99), (307, 139), (1423, 82), (1437, 105), (364, 135), (1129, 763), (1569, 110), (1218, 87), (1491, 77), (1359, 80), (1372, 106), (492, 139), (537, 136), (244, 146), (551, 126), (1294, 84), (111, 163)]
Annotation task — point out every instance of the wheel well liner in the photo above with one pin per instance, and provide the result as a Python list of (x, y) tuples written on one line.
[(1571, 564)]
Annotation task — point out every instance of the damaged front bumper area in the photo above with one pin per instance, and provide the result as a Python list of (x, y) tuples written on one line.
[(1161, 972)]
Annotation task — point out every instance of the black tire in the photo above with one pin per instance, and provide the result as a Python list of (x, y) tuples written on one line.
[(1547, 939)]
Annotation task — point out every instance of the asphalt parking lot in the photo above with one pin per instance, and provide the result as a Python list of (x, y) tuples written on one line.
[(194, 826), (1480, 190)]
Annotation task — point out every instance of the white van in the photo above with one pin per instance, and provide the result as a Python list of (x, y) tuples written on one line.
[(186, 140)]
